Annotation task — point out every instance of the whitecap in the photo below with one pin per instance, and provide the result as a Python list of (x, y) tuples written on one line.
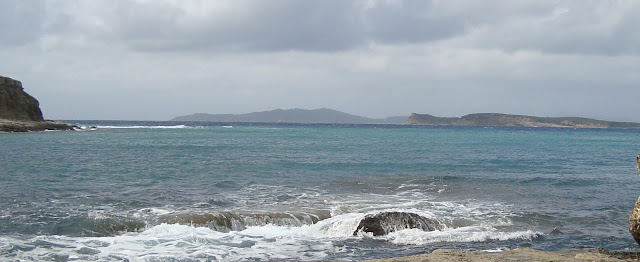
[(460, 235), (144, 127)]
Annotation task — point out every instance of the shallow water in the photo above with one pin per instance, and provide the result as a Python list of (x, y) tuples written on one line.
[(156, 191)]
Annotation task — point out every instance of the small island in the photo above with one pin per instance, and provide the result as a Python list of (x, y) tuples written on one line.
[(505, 120), (20, 112)]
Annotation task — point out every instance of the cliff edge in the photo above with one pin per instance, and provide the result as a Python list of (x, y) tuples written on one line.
[(20, 112)]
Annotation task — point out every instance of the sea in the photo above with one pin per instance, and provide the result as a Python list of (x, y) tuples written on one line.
[(195, 191)]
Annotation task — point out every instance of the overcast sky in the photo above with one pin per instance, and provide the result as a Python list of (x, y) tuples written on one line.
[(154, 60)]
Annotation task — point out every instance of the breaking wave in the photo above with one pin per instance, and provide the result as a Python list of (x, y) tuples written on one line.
[(230, 221), (142, 127), (233, 236), (463, 234)]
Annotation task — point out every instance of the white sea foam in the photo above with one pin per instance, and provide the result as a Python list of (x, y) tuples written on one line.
[(496, 250), (181, 241), (466, 221), (144, 127), (5, 244), (173, 241), (462, 234), (268, 242)]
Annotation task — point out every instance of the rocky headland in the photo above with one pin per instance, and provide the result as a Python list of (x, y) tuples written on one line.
[(20, 112), (506, 120)]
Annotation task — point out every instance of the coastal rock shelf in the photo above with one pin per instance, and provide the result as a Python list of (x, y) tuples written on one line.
[(20, 112), (634, 219)]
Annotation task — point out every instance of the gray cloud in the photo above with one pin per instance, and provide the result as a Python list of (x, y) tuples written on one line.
[(567, 27), (410, 22), (21, 22), (597, 27), (247, 26), (159, 59)]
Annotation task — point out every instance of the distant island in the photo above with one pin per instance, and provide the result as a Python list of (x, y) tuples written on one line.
[(330, 116), (505, 120), (303, 116)]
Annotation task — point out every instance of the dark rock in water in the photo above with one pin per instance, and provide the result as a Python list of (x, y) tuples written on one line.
[(387, 222), (230, 221), (88, 251), (634, 219), (20, 112), (556, 231), (222, 222)]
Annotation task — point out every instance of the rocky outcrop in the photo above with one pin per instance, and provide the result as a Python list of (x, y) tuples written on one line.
[(231, 221), (16, 104), (20, 112), (386, 222), (28, 126), (634, 219)]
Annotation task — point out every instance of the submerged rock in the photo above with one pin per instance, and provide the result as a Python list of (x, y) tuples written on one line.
[(634, 219), (231, 221), (387, 222)]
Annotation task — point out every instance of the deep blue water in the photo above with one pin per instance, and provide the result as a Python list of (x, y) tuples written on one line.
[(155, 191)]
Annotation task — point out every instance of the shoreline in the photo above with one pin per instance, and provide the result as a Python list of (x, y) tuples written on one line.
[(520, 254)]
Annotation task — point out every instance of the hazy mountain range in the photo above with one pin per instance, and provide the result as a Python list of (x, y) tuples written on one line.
[(315, 116), (330, 116)]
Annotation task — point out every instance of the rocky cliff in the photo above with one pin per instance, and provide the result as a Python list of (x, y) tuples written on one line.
[(16, 104), (20, 112), (491, 119)]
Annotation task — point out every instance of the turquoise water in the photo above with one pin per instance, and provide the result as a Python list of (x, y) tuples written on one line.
[(166, 191)]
